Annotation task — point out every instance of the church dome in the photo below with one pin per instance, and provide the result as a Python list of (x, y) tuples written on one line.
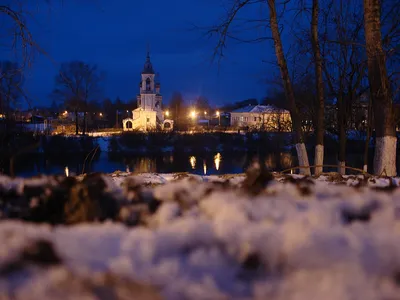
[(148, 67)]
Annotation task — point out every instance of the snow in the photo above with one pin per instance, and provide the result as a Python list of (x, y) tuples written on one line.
[(298, 239)]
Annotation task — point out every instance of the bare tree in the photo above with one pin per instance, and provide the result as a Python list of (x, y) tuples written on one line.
[(289, 92), (76, 84), (385, 148), (320, 128), (344, 64), (222, 30), (21, 39), (11, 81)]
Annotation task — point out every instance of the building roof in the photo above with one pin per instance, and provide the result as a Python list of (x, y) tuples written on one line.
[(148, 67), (259, 109)]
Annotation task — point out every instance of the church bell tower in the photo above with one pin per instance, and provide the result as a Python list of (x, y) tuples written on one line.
[(149, 97)]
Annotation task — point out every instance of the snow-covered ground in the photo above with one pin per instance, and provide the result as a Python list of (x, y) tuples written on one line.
[(178, 236)]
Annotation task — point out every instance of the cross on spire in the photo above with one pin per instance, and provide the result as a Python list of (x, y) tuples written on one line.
[(148, 51), (148, 67)]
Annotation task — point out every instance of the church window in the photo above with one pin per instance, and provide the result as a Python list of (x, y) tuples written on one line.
[(148, 120), (148, 84)]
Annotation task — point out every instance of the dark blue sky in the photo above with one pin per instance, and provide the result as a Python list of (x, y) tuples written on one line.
[(114, 35)]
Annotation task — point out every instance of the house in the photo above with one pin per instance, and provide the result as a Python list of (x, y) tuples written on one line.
[(38, 125), (266, 117), (148, 115)]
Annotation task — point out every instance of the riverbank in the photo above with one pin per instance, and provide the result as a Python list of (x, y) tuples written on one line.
[(179, 236)]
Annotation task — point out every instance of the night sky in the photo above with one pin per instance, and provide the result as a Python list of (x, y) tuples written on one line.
[(114, 35)]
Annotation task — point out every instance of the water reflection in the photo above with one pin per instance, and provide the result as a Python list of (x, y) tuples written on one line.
[(270, 162), (145, 165), (192, 161), (217, 160), (209, 163), (286, 160), (66, 171)]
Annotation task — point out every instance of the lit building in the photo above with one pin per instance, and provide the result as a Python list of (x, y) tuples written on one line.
[(265, 117), (148, 115)]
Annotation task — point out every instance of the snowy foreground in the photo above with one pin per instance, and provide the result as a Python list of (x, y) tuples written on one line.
[(192, 237)]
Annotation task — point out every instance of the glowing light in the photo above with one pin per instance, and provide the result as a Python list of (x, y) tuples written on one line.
[(217, 160), (205, 113), (167, 113), (101, 114), (218, 113), (192, 161), (66, 170), (193, 114), (204, 167)]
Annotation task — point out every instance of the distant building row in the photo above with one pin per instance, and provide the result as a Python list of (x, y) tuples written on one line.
[(265, 117)]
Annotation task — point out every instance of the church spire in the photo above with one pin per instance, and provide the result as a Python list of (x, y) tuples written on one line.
[(148, 52), (148, 67)]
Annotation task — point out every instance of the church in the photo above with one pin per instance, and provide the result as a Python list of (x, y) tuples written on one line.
[(148, 115)]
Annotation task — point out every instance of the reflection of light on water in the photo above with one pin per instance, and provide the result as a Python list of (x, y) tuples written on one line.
[(286, 160), (66, 170), (217, 160), (192, 160), (204, 167), (145, 165), (270, 162)]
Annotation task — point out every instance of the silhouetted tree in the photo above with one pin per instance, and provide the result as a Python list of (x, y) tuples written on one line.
[(320, 128), (177, 109), (202, 104), (385, 148), (222, 30), (11, 81), (76, 84)]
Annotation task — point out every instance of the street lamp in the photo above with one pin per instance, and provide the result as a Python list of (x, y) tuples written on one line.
[(193, 114), (101, 114), (167, 113), (208, 120), (219, 118)]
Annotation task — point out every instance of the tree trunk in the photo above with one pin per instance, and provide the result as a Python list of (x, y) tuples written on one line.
[(320, 130), (368, 135), (385, 146), (342, 135), (84, 123), (289, 93), (76, 122)]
